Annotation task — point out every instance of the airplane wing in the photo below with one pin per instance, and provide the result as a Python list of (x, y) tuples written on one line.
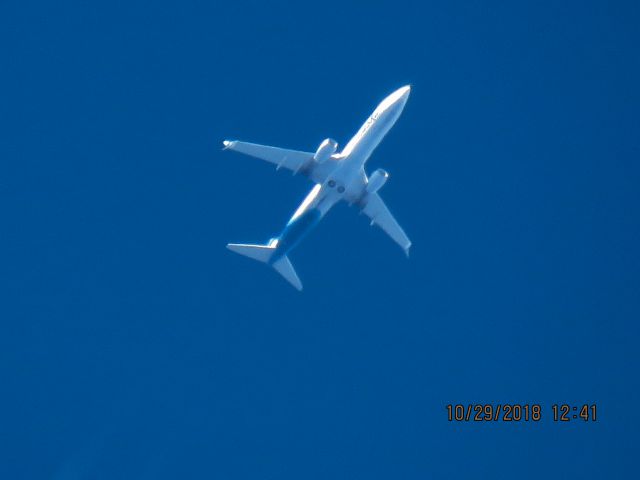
[(380, 215), (293, 160)]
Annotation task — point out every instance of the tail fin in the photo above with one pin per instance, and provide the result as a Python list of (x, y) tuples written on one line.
[(263, 254)]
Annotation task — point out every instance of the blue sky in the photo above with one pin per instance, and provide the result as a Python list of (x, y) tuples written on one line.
[(134, 345)]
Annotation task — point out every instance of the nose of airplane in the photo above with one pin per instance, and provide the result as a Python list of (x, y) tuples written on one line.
[(402, 95), (396, 100)]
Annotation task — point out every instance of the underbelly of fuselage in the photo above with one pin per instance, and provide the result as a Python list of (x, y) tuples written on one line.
[(295, 231), (346, 182)]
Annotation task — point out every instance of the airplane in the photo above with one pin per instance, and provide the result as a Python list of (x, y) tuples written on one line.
[(337, 176)]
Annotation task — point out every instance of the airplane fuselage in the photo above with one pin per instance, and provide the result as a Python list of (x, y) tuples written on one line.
[(347, 180)]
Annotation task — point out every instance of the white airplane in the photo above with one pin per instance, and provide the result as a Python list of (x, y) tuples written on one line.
[(338, 176)]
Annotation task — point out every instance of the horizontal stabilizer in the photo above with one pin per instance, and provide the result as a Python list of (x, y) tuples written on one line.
[(283, 267), (262, 253)]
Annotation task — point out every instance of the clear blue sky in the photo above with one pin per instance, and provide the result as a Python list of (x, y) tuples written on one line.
[(134, 345)]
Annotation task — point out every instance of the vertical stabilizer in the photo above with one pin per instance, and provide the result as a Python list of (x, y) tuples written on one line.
[(283, 267)]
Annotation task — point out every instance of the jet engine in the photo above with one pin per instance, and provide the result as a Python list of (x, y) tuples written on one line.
[(377, 180), (325, 150)]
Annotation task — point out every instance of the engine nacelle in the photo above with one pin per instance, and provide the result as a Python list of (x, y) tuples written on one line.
[(377, 180), (325, 150)]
